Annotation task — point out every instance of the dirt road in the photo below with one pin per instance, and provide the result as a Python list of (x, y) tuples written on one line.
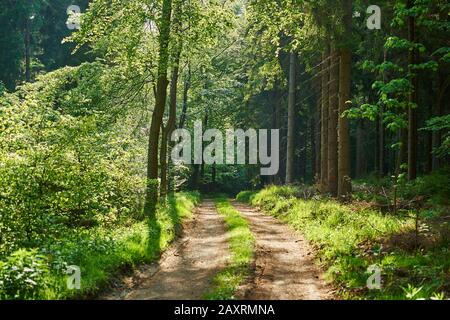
[(285, 268), (186, 269)]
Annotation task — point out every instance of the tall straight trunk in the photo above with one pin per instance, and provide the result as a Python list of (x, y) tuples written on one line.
[(413, 100), (438, 111), (291, 122), (186, 87), (158, 112), (313, 142), (382, 134), (390, 154), (324, 119), (402, 156), (302, 146), (377, 144), (202, 166), (196, 177), (360, 152), (318, 143), (429, 135), (381, 146), (163, 162), (344, 184), (333, 123), (27, 50), (170, 127), (274, 123), (213, 173), (344, 175), (276, 111), (171, 122)]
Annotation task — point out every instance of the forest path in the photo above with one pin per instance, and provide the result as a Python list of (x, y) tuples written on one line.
[(186, 269), (285, 269)]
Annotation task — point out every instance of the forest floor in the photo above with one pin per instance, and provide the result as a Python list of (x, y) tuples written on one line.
[(283, 267)]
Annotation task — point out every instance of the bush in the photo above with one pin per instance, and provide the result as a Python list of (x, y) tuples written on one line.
[(72, 184), (23, 275), (65, 161), (434, 187), (100, 253), (245, 196)]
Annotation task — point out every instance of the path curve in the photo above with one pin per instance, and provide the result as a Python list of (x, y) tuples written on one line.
[(186, 269), (284, 266)]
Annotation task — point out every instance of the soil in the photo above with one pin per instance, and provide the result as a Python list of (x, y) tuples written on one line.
[(283, 269), (284, 264), (186, 269)]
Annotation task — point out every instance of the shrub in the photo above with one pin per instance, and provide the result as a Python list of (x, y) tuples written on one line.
[(23, 275), (65, 161)]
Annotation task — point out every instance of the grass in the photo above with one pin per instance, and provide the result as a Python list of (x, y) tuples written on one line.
[(349, 239), (242, 250), (142, 243), (102, 254)]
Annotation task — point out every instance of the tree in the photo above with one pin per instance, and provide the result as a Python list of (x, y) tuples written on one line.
[(291, 120), (413, 98), (326, 57), (160, 104), (344, 182), (333, 115), (171, 122)]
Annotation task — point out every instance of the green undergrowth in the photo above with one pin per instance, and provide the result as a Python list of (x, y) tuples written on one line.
[(242, 250), (100, 254), (349, 239)]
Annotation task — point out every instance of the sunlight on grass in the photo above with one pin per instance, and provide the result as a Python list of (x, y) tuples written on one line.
[(242, 250), (347, 242), (101, 257)]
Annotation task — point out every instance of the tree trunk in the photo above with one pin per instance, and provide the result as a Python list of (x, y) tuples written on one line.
[(344, 185), (360, 150), (163, 161), (276, 106), (437, 112), (213, 174), (313, 142), (170, 127), (345, 67), (171, 122), (382, 134), (158, 112), (428, 134), (324, 120), (202, 166), (413, 100), (187, 85), (403, 152), (291, 122), (318, 143), (332, 124), (381, 149), (27, 50), (302, 148)]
